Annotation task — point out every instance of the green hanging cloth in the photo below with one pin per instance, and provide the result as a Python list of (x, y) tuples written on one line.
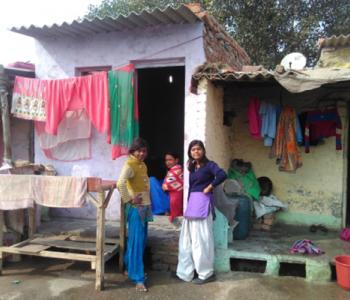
[(124, 109)]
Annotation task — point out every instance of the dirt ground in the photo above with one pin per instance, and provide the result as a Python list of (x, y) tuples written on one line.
[(40, 278)]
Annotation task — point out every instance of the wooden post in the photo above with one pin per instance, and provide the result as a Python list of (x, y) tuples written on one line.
[(122, 230), (31, 221), (100, 242), (5, 118), (2, 222)]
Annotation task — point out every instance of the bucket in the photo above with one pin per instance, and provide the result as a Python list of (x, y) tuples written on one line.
[(342, 266)]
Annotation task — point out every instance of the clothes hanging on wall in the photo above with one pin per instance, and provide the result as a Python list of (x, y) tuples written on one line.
[(254, 117), (268, 116), (285, 147), (124, 109), (322, 124)]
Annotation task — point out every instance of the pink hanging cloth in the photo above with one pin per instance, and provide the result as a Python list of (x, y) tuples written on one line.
[(254, 117), (89, 92), (73, 139)]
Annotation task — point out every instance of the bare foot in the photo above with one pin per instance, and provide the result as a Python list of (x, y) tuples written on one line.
[(140, 287)]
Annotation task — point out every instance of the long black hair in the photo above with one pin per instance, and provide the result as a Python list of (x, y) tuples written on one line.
[(137, 144), (191, 163)]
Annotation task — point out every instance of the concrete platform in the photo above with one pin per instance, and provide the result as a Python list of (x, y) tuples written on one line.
[(262, 252), (269, 252)]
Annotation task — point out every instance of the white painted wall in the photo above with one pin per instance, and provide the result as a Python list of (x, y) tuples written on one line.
[(57, 58)]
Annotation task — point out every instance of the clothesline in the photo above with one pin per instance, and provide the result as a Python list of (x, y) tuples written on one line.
[(64, 109)]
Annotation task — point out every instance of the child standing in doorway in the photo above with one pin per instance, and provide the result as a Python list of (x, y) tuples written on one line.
[(173, 183)]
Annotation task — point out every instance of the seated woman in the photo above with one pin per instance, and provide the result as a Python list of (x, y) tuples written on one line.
[(133, 185), (173, 183)]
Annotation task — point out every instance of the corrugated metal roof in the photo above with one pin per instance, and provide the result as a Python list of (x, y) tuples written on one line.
[(217, 72), (236, 76), (85, 27), (335, 41)]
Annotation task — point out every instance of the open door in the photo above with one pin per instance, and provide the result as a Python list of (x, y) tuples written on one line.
[(161, 95)]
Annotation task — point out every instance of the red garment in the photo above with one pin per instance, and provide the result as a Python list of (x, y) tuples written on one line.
[(174, 182), (254, 118), (322, 124), (89, 92)]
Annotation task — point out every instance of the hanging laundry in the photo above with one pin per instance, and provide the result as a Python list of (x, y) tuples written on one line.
[(298, 131), (28, 99), (89, 92), (124, 109), (54, 191), (61, 95), (268, 114), (285, 147), (73, 139), (322, 124), (254, 117)]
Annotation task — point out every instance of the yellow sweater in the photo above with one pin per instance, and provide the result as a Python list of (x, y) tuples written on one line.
[(134, 180)]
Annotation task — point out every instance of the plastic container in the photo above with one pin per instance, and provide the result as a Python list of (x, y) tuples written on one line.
[(342, 266), (244, 217)]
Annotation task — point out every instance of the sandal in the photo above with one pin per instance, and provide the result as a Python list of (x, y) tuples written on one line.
[(140, 287), (323, 228), (313, 228)]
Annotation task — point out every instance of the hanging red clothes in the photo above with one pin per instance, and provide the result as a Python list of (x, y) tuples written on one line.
[(322, 124), (254, 118), (61, 95), (89, 92)]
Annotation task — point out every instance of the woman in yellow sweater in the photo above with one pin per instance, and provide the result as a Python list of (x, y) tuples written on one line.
[(133, 185)]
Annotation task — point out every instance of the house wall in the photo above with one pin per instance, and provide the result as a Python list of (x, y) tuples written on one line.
[(218, 138), (314, 194), (57, 58), (21, 139)]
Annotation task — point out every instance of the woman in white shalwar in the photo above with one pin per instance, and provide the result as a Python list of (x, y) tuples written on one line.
[(196, 244)]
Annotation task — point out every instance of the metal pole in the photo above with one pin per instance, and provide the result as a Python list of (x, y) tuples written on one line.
[(5, 117)]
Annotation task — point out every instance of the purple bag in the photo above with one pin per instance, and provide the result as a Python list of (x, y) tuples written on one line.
[(198, 206)]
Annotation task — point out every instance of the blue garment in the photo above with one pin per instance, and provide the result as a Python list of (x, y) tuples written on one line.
[(268, 114), (200, 178), (159, 199), (298, 131), (136, 244)]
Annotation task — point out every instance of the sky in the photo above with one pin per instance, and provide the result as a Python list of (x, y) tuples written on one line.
[(17, 13)]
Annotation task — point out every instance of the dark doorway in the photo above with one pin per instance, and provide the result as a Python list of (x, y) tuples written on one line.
[(161, 108)]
